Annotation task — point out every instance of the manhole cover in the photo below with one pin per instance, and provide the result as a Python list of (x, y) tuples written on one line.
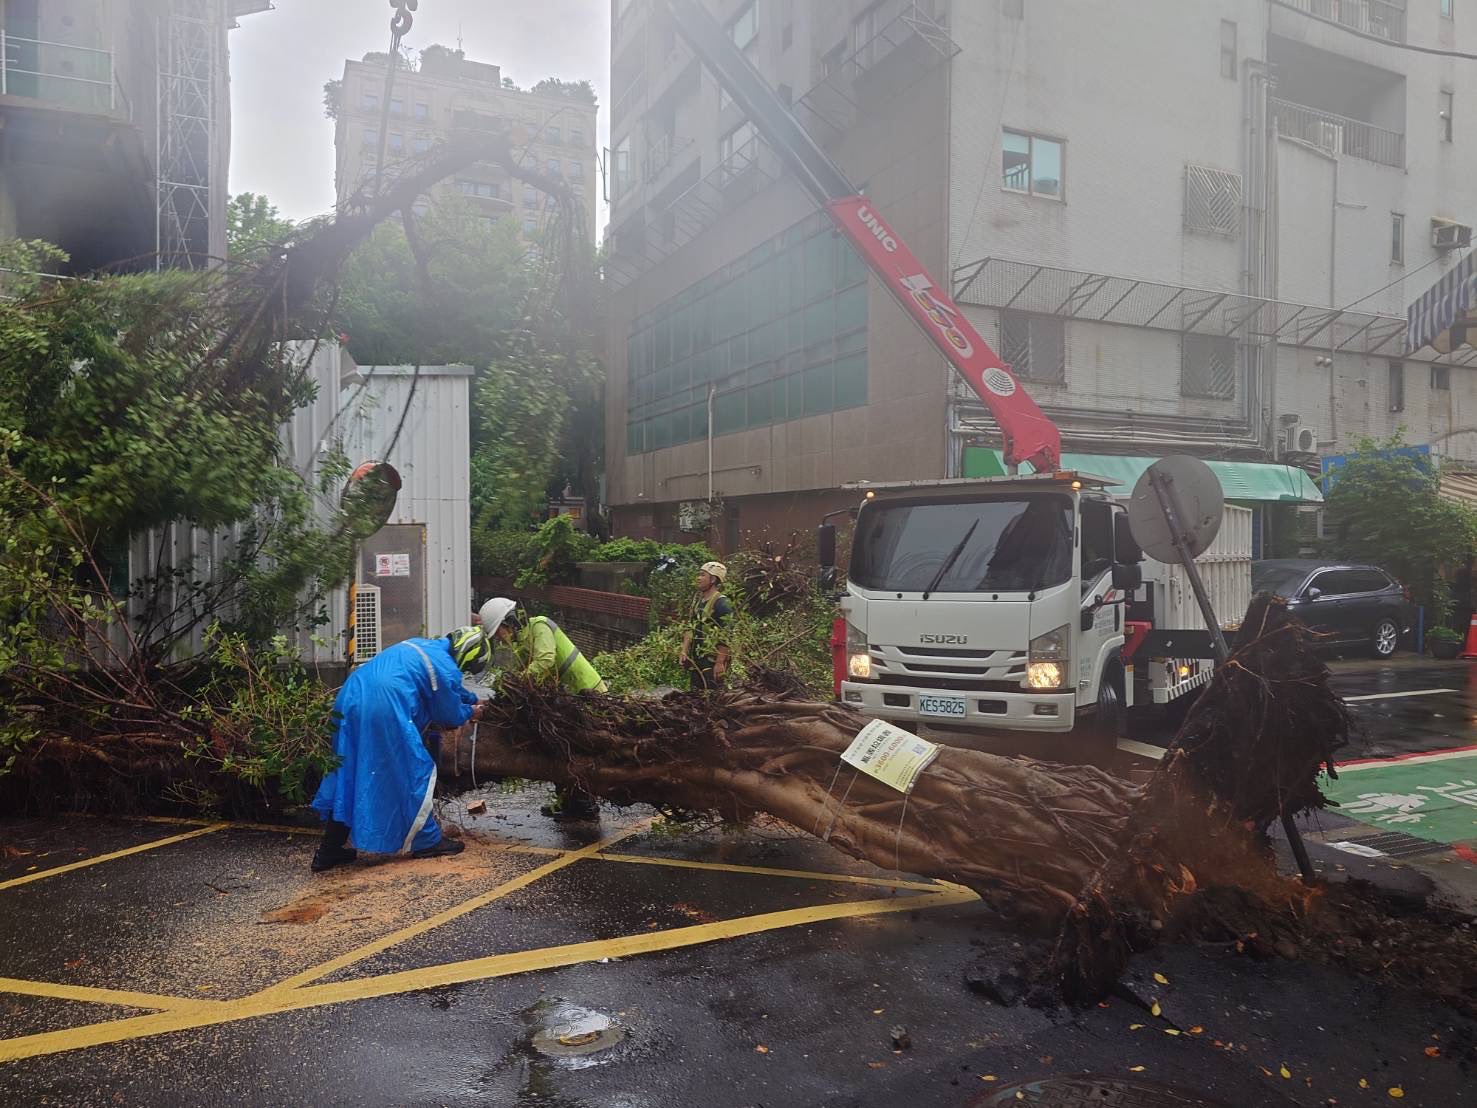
[(1090, 1091), (575, 1032)]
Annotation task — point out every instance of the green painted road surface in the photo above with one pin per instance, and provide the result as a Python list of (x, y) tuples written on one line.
[(1431, 796)]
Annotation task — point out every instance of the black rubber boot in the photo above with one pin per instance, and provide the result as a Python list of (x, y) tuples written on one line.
[(444, 849), (332, 851)]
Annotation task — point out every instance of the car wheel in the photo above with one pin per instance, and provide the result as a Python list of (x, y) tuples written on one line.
[(1385, 639), (1109, 717)]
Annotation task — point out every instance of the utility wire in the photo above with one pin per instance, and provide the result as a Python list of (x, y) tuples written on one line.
[(1381, 39)]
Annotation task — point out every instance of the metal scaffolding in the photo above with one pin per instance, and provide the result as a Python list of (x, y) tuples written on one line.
[(189, 53)]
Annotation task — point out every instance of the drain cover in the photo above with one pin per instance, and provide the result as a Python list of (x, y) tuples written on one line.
[(1090, 1091), (576, 1032)]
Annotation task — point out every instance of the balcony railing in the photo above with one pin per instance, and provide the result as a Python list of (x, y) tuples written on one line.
[(662, 152), (72, 76), (1383, 18), (1340, 135)]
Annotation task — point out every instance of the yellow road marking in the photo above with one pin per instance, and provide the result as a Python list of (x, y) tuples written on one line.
[(14, 881), (396, 937), (274, 1001), (92, 995), (765, 871)]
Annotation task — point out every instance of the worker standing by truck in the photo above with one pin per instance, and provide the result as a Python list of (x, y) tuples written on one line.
[(545, 654), (704, 653)]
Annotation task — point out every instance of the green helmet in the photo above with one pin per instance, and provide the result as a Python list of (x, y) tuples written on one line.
[(470, 649)]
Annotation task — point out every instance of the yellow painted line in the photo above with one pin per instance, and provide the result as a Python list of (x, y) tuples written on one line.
[(281, 828), (14, 881), (275, 1001), (55, 991), (384, 943), (765, 871)]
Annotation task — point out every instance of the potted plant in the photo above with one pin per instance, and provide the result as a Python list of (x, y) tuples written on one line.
[(1444, 643)]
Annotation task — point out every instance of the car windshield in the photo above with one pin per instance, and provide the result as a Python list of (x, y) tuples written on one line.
[(1278, 580), (1017, 544)]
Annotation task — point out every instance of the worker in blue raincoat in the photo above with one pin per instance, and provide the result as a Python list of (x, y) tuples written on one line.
[(380, 794)]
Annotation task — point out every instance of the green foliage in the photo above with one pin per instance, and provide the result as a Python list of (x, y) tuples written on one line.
[(650, 551), (502, 553), (795, 638), (581, 91), (333, 97), (264, 720), (556, 548), (1387, 510), (253, 224), (1442, 633)]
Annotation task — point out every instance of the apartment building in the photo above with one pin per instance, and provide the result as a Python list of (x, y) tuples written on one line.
[(427, 102), (115, 127), (1192, 228)]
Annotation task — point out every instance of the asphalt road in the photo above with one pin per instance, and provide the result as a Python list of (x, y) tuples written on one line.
[(629, 965)]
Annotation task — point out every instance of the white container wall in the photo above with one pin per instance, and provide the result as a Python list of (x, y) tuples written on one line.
[(1226, 570)]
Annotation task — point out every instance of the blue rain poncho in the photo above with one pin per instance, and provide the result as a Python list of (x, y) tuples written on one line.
[(385, 780)]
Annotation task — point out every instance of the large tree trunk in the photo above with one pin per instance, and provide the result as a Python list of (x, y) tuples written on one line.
[(1065, 850)]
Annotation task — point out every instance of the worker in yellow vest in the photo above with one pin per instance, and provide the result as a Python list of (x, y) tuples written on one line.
[(545, 653)]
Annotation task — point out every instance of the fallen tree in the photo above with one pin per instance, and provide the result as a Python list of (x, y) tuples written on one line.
[(1101, 865)]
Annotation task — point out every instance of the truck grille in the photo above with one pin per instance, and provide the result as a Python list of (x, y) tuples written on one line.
[(962, 670)]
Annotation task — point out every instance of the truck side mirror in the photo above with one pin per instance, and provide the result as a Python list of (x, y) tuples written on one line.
[(825, 545), (1127, 577), (1126, 550)]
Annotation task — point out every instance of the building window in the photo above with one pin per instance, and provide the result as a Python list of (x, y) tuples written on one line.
[(1032, 164), (420, 144), (422, 110), (397, 106), (620, 168), (1448, 103), (744, 27), (1228, 49), (552, 134), (397, 143), (530, 196), (1397, 238), (576, 171), (1441, 378), (530, 222), (553, 167), (576, 137), (484, 189), (787, 36), (371, 137), (1397, 386), (779, 333), (1207, 366), (421, 207), (370, 102), (864, 30), (736, 140), (1034, 346), (1446, 8)]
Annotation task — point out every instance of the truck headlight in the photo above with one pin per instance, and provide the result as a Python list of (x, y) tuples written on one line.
[(858, 657), (1046, 659)]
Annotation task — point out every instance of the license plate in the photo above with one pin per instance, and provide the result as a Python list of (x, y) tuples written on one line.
[(941, 706)]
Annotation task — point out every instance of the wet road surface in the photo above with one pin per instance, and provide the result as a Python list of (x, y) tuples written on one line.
[(631, 965)]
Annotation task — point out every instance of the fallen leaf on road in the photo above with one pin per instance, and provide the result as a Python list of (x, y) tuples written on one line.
[(1396, 1091), (1433, 1052), (1135, 1069), (1363, 1084), (1285, 1072), (1159, 977), (761, 1049), (1020, 1095), (1134, 1026), (875, 1065), (1196, 1030), (988, 1077), (1265, 1070), (1154, 1011), (878, 1011), (1171, 1031)]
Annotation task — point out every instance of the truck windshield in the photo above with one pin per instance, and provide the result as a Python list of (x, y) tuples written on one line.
[(1018, 544)]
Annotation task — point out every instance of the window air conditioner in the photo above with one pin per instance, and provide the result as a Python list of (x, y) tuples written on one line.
[(1447, 234), (1299, 438)]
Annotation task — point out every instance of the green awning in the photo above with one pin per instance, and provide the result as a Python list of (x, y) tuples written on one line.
[(1253, 481)]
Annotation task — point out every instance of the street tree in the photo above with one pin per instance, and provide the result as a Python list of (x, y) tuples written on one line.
[(252, 225)]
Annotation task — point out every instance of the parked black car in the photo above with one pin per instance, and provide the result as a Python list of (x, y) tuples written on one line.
[(1352, 605)]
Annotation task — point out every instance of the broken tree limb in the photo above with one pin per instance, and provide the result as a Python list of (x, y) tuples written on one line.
[(1065, 850)]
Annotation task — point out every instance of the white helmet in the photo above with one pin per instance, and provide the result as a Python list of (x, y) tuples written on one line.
[(494, 612)]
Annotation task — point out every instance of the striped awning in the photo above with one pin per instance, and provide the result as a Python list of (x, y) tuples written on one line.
[(1444, 303)]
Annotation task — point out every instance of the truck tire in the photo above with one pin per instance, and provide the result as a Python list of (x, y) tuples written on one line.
[(1385, 638), (1109, 715)]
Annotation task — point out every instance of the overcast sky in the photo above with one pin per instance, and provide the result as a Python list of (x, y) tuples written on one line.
[(281, 142)]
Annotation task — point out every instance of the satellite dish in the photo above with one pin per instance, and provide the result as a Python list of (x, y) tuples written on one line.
[(1196, 503)]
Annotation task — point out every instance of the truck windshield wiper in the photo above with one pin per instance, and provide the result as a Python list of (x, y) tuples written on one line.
[(950, 560)]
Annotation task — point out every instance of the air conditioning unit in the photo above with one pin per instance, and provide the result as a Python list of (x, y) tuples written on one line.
[(1447, 234), (1299, 438), (693, 516)]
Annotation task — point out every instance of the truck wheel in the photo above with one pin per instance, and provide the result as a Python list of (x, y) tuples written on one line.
[(1109, 715), (1385, 638)]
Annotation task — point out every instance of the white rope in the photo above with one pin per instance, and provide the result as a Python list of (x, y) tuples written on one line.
[(816, 830)]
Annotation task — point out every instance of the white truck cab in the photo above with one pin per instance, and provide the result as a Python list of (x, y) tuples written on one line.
[(1007, 603)]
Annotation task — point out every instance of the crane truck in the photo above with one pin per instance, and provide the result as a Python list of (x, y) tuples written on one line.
[(1020, 603)]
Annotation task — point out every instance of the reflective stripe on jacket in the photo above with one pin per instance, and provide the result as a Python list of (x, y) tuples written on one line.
[(547, 655)]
